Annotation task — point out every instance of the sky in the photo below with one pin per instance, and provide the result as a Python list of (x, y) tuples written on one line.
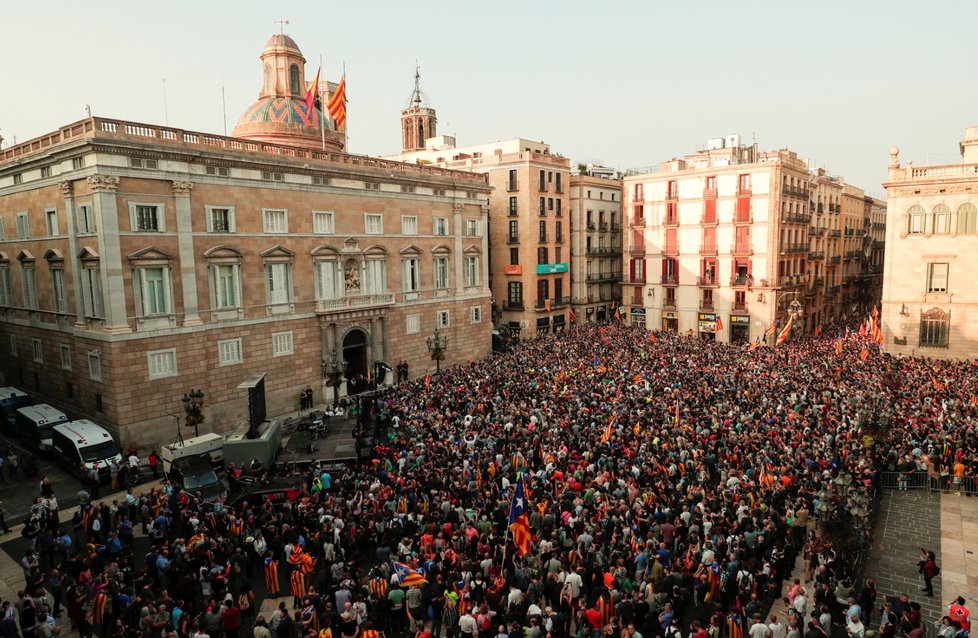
[(627, 83)]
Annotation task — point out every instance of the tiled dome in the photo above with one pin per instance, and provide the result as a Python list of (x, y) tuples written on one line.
[(283, 110)]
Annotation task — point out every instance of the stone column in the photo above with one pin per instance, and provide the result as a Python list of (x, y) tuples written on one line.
[(384, 341), (457, 248), (67, 190), (104, 189), (185, 244), (484, 261)]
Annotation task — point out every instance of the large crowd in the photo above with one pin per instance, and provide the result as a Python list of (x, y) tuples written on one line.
[(671, 484)]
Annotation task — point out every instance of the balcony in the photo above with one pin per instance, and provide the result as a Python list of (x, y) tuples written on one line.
[(707, 282), (325, 306), (669, 304), (878, 226), (603, 250), (603, 226), (637, 279), (671, 250), (835, 260), (818, 282), (793, 191), (708, 249), (603, 276), (708, 220), (816, 256), (512, 186), (638, 222), (589, 226), (671, 220), (738, 281), (636, 249), (669, 280), (835, 232), (740, 306), (790, 281), (513, 306), (513, 239), (706, 304), (709, 193), (817, 232), (615, 227), (796, 219), (741, 250), (555, 302), (794, 248)]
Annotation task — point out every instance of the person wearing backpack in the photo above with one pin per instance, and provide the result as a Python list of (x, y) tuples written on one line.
[(929, 569)]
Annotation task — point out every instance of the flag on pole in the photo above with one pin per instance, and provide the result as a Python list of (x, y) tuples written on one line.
[(427, 382), (311, 94), (519, 521), (877, 333), (408, 577), (937, 384), (719, 324), (863, 354), (337, 104), (677, 410), (572, 316), (770, 329), (818, 330), (838, 347), (876, 313), (756, 343), (783, 335), (608, 429)]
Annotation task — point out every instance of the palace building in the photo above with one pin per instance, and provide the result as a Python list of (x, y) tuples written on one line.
[(139, 261)]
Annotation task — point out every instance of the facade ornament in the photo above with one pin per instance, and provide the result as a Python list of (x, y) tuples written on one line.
[(485, 209), (182, 188), (103, 183), (67, 189), (352, 278), (457, 207)]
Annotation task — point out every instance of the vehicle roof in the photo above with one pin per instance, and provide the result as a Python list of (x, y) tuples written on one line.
[(43, 412), (10, 392), (84, 432), (192, 463)]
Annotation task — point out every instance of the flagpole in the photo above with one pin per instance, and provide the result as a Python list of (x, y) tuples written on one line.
[(322, 105), (346, 115)]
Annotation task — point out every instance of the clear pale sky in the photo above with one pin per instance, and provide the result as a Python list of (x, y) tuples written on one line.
[(628, 83)]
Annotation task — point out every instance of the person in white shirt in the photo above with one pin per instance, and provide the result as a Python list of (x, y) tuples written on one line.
[(855, 628), (467, 625), (777, 628), (759, 629)]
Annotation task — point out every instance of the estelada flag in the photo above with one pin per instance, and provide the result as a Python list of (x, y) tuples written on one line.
[(608, 429), (337, 104), (719, 323), (783, 335), (408, 577), (311, 94), (572, 316), (519, 521)]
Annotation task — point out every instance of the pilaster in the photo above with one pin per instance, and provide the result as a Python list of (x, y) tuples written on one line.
[(104, 189), (185, 247), (457, 248), (68, 191)]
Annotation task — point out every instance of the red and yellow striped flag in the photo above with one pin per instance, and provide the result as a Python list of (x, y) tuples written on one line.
[(863, 355), (337, 104), (311, 94), (838, 347), (783, 335)]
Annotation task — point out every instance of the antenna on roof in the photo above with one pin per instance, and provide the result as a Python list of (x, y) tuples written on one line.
[(281, 24)]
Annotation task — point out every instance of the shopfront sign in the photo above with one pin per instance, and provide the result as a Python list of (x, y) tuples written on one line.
[(551, 269)]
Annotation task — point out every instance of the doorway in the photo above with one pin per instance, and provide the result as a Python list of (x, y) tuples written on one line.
[(355, 354)]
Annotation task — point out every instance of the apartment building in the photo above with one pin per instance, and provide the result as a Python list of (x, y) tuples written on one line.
[(930, 300), (729, 240), (140, 261), (595, 243)]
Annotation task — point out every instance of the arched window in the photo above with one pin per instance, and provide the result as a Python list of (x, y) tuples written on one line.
[(294, 82), (915, 220), (941, 223), (967, 215)]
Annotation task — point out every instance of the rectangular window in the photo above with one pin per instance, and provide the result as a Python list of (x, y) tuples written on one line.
[(329, 280), (272, 176), (29, 285), (155, 291), (558, 255), (373, 224), (550, 203), (473, 228), (77, 162), (5, 298), (278, 278), (543, 205), (52, 219), (560, 187), (514, 230), (558, 212), (65, 357), (23, 226), (513, 210), (472, 271), (935, 329), (743, 183), (543, 293), (441, 272), (413, 324), (225, 277), (558, 232), (323, 222), (514, 293), (542, 256), (475, 314), (441, 226), (409, 225), (95, 365), (512, 184), (229, 352), (18, 178), (411, 274), (92, 292), (220, 219), (85, 219), (147, 218), (374, 277), (937, 274), (38, 350), (543, 232), (441, 319), (12, 343), (45, 172), (162, 363), (282, 344), (275, 221), (58, 290), (514, 256)]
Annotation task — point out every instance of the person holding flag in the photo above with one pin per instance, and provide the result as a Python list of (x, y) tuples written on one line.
[(271, 574), (519, 520)]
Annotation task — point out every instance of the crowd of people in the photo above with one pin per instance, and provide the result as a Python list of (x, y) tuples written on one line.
[(670, 485)]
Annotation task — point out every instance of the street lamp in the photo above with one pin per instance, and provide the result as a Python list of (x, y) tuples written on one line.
[(333, 373), (193, 401), (437, 346)]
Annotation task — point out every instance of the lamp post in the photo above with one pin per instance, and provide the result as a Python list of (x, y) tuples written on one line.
[(437, 346), (193, 401), (333, 373)]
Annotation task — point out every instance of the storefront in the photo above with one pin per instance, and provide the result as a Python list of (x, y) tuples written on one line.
[(638, 317), (739, 328), (707, 326), (558, 323), (602, 314), (670, 323), (543, 325)]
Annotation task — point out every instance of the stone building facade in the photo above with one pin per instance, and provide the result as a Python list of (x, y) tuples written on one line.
[(595, 245), (930, 300), (138, 262)]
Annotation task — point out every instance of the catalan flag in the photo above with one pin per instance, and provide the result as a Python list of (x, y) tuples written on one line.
[(783, 335), (378, 587), (875, 313), (719, 324), (427, 382), (863, 354), (838, 347), (337, 104), (770, 329), (937, 384), (877, 333), (271, 576), (677, 411), (734, 628), (572, 316), (608, 429), (974, 399), (311, 94), (818, 330), (519, 521), (408, 577)]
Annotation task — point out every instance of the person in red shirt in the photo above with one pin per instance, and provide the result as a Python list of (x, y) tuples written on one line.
[(959, 613)]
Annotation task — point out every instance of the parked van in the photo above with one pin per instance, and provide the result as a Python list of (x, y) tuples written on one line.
[(35, 424), (79, 445), (11, 399), (210, 446)]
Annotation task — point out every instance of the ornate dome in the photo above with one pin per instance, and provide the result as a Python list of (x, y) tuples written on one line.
[(280, 40), (283, 110)]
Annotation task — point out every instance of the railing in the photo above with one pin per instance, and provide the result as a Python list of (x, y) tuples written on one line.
[(707, 282), (122, 129), (740, 306), (818, 282), (817, 232), (604, 276), (943, 171), (746, 280), (513, 239), (835, 260), (741, 249), (555, 302), (512, 186), (816, 256), (354, 301), (638, 222), (794, 248), (708, 249), (709, 193), (637, 279), (669, 303), (636, 249), (706, 305), (671, 220), (671, 250), (792, 280), (603, 226), (670, 280), (708, 219), (513, 305), (796, 219), (590, 226), (603, 250), (615, 227)]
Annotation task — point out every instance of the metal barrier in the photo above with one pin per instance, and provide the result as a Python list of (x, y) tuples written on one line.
[(946, 483), (903, 480)]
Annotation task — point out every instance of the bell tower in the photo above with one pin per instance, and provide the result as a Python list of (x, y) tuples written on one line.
[(418, 120)]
